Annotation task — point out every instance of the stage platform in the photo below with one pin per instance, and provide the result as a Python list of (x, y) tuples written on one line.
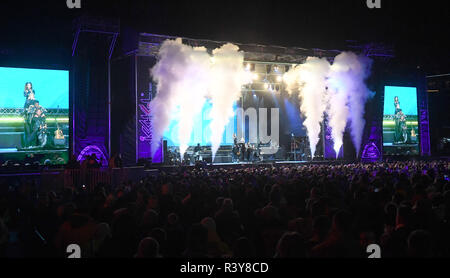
[(32, 150), (258, 163), (52, 156), (246, 164)]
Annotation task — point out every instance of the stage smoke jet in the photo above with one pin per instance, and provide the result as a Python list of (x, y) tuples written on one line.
[(186, 77), (360, 67), (337, 107), (309, 79), (181, 74), (337, 89), (347, 97), (227, 78)]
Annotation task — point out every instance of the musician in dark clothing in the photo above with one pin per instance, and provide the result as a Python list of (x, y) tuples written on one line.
[(29, 94), (397, 116), (235, 153), (243, 151), (402, 129), (38, 126), (28, 112), (197, 150), (249, 152), (396, 104)]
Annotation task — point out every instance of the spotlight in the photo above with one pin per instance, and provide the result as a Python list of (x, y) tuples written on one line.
[(255, 76), (266, 85), (247, 66), (276, 69), (279, 78)]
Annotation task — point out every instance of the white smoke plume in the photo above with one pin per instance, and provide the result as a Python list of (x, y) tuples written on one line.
[(337, 109), (227, 78), (186, 77), (309, 79), (348, 96), (337, 89), (182, 81)]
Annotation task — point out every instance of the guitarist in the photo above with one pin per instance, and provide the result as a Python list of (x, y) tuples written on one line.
[(58, 139)]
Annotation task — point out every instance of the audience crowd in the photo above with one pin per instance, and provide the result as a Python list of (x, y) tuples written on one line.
[(305, 211)]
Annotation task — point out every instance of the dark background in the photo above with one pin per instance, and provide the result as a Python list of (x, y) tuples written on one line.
[(417, 29), (40, 34)]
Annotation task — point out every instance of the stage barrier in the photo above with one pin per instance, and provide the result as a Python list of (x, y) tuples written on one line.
[(92, 177)]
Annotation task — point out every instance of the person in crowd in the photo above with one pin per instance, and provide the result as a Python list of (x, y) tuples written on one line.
[(197, 242), (339, 242), (148, 248), (73, 163), (243, 248), (228, 222), (291, 245), (321, 228), (395, 243), (216, 247), (92, 162)]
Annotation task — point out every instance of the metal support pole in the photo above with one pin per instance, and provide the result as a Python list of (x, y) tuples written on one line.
[(109, 107)]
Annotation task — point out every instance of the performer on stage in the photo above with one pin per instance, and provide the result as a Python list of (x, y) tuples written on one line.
[(235, 153), (403, 128), (249, 151), (243, 151), (396, 104), (29, 95), (38, 126), (397, 129), (235, 140), (197, 152)]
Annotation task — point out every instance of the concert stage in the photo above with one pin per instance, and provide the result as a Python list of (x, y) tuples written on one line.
[(264, 113), (273, 163)]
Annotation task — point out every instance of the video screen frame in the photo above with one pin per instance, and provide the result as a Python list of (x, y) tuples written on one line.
[(37, 159), (410, 146)]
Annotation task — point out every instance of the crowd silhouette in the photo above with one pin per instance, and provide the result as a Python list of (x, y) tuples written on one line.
[(260, 211)]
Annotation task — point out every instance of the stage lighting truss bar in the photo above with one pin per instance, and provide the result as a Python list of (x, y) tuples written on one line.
[(15, 115), (379, 50), (21, 120), (98, 25), (19, 111), (149, 46), (270, 63)]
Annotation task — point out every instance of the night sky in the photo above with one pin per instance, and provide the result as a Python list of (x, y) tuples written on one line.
[(418, 30)]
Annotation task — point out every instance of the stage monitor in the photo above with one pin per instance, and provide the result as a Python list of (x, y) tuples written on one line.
[(34, 116), (400, 121)]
